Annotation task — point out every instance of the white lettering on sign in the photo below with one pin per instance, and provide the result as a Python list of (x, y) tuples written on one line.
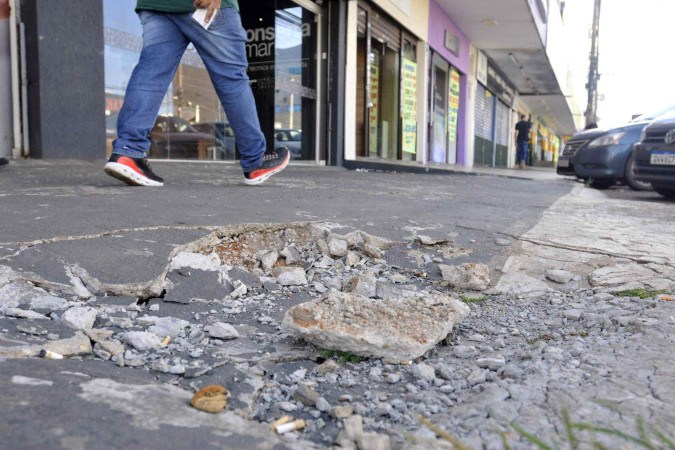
[(261, 40)]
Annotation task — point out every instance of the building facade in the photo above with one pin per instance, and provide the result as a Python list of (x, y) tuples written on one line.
[(339, 82)]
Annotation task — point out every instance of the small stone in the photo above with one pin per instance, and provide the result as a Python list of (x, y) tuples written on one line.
[(168, 326), (337, 247), (465, 351), (559, 276), (328, 366), (80, 317), (476, 377), (502, 242), (491, 363), (393, 378), (374, 441), (292, 276), (398, 278), (424, 372), (340, 412), (240, 289), (365, 285), (291, 255), (306, 394), (223, 331), (572, 314), (268, 260), (322, 404), (104, 355), (113, 347), (467, 276), (24, 314), (353, 427), (287, 406), (154, 307), (270, 286), (320, 288), (324, 263), (372, 251), (352, 259), (48, 302), (511, 371), (142, 340)]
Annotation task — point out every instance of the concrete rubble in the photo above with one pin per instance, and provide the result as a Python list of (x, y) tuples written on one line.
[(358, 336)]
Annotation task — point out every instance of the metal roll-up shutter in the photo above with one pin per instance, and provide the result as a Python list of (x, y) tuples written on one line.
[(479, 119), (385, 31), (502, 150), (362, 23)]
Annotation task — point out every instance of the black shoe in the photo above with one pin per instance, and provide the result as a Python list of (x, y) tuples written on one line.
[(133, 171), (274, 161), (4, 161)]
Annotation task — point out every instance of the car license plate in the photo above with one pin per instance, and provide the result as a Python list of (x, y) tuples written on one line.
[(663, 158), (563, 163)]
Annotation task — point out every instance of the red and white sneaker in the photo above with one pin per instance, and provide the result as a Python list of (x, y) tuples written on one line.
[(274, 161), (133, 171)]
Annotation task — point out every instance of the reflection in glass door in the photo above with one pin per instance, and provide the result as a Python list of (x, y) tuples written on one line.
[(439, 104)]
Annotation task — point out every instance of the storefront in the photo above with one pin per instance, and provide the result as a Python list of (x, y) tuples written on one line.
[(492, 124), (447, 89), (387, 83), (284, 44)]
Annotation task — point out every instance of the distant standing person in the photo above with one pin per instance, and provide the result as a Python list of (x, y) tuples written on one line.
[(168, 28), (523, 140)]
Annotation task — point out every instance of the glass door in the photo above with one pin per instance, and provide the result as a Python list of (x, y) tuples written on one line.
[(439, 110)]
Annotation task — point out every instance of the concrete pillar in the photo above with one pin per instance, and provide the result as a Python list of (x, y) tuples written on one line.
[(66, 78), (6, 119)]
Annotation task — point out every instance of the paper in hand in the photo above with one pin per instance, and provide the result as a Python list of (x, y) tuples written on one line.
[(200, 17)]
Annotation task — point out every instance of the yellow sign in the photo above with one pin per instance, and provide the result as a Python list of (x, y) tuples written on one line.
[(453, 105), (409, 106)]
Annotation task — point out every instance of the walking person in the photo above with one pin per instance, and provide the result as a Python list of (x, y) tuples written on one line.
[(522, 140), (168, 28)]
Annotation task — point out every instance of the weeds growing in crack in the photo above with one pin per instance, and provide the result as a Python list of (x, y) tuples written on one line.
[(343, 357), (641, 293), (647, 437), (471, 299)]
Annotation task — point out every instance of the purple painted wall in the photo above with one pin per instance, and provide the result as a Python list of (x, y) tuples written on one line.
[(439, 21)]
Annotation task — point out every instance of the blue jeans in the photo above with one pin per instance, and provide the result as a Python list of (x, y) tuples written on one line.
[(222, 48), (522, 151)]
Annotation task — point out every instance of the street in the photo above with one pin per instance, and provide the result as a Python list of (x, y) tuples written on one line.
[(576, 317)]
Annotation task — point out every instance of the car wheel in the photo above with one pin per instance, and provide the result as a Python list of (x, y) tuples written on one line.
[(667, 192), (629, 177), (602, 183)]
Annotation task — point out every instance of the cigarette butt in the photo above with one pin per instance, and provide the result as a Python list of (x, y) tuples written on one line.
[(288, 427), (280, 421), (49, 354), (666, 298), (166, 341)]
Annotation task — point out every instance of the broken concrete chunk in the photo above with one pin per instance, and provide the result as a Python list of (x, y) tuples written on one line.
[(186, 260), (223, 331), (292, 276), (324, 263), (520, 283), (199, 284), (80, 317), (268, 260), (24, 314), (341, 412), (467, 276), (559, 276), (397, 329), (33, 330), (48, 302), (244, 276), (142, 340), (168, 326), (374, 441), (354, 427), (365, 285), (352, 259), (98, 334), (428, 240), (113, 347), (306, 394), (372, 251), (291, 254), (337, 247)]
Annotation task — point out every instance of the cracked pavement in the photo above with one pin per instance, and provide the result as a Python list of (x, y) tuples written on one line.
[(531, 347)]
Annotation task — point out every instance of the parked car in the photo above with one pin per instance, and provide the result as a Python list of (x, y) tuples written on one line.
[(654, 156), (174, 137), (291, 138), (224, 133), (605, 157)]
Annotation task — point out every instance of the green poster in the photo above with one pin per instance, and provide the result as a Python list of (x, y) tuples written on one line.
[(409, 106), (453, 105)]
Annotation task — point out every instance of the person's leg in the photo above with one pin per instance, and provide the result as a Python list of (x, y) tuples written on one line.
[(222, 48), (163, 47)]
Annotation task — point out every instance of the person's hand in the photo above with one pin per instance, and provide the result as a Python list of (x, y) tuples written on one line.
[(211, 7)]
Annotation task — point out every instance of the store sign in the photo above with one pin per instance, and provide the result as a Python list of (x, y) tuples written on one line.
[(453, 105), (409, 106), (452, 42), (482, 69), (260, 41), (502, 88), (404, 5)]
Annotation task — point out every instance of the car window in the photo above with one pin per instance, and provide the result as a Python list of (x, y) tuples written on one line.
[(653, 115), (295, 135)]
